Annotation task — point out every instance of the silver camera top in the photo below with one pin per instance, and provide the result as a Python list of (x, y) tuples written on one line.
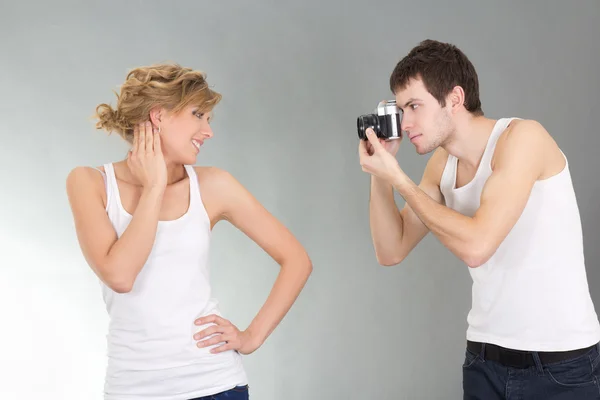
[(387, 108)]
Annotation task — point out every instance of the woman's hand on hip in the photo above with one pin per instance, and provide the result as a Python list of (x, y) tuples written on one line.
[(224, 332)]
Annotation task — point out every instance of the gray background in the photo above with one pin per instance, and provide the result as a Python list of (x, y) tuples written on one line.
[(294, 77)]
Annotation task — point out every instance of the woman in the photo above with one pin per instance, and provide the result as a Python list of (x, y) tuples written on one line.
[(144, 226)]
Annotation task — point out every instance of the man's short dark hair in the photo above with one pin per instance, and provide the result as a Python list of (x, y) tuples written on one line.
[(441, 67)]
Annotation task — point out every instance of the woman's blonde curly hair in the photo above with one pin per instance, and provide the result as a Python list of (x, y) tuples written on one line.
[(166, 85)]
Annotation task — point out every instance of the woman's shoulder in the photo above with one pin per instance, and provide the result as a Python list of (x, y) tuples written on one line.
[(89, 180), (216, 181), (85, 174), (210, 174), (90, 176), (94, 173)]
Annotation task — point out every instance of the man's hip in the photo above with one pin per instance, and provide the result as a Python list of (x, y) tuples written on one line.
[(491, 372)]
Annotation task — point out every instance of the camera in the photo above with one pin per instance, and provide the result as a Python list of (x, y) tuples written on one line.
[(385, 122)]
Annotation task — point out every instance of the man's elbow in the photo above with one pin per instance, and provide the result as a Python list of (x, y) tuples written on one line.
[(478, 254), (389, 260)]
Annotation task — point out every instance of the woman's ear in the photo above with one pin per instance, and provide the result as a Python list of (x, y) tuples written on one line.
[(155, 116)]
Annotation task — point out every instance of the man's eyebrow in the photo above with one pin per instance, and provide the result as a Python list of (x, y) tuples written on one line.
[(411, 100)]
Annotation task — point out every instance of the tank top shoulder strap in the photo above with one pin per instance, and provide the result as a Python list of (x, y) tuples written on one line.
[(106, 186), (195, 196), (196, 203), (103, 173), (111, 185), (499, 128)]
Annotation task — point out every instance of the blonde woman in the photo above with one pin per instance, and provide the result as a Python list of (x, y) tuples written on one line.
[(144, 226)]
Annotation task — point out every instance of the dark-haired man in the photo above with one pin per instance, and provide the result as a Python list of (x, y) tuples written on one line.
[(498, 194)]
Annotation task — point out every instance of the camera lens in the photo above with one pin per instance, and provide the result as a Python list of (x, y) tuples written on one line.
[(364, 122)]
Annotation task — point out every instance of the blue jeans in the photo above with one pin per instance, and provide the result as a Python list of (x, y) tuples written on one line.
[(574, 379), (237, 393)]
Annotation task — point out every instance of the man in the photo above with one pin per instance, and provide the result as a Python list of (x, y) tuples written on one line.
[(498, 194)]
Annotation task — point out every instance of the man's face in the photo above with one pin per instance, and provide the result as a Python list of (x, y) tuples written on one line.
[(424, 122)]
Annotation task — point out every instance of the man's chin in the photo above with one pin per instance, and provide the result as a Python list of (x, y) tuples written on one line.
[(421, 151)]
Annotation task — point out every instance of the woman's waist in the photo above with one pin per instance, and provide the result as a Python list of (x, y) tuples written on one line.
[(134, 357), (144, 328)]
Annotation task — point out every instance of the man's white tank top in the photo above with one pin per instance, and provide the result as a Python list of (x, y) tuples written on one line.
[(151, 350), (533, 292)]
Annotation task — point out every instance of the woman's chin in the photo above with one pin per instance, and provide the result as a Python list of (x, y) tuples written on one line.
[(191, 159), (188, 158)]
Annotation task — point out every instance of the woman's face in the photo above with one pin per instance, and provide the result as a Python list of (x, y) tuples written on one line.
[(183, 134)]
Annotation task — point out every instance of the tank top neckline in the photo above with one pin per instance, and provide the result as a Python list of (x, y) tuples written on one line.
[(111, 176), (499, 126)]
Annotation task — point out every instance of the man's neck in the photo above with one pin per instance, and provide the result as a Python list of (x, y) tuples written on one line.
[(470, 139)]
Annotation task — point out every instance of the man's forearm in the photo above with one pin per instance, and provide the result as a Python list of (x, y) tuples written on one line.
[(456, 231), (385, 219)]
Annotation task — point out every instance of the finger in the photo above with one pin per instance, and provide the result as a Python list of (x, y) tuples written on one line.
[(149, 137), (374, 140), (363, 152), (134, 142), (364, 157), (204, 320), (157, 147), (222, 348), (212, 341), (141, 142), (363, 149), (211, 318), (209, 331)]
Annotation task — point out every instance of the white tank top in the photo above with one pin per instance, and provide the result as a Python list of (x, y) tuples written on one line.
[(151, 350), (533, 292)]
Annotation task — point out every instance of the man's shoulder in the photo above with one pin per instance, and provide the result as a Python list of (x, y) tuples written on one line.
[(526, 142), (522, 131)]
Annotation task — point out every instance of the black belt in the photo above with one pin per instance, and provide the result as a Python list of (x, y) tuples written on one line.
[(520, 358)]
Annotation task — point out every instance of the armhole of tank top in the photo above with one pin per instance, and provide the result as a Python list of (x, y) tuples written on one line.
[(491, 146), (106, 187), (448, 174)]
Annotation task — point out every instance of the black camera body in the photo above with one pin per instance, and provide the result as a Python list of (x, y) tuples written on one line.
[(385, 122)]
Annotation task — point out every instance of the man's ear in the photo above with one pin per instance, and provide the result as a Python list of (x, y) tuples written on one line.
[(456, 98)]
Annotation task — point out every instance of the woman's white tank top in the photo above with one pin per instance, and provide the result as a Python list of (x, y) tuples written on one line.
[(151, 350)]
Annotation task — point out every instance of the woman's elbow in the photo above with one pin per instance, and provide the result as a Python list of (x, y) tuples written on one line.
[(301, 261), (121, 287), (307, 264), (117, 282)]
